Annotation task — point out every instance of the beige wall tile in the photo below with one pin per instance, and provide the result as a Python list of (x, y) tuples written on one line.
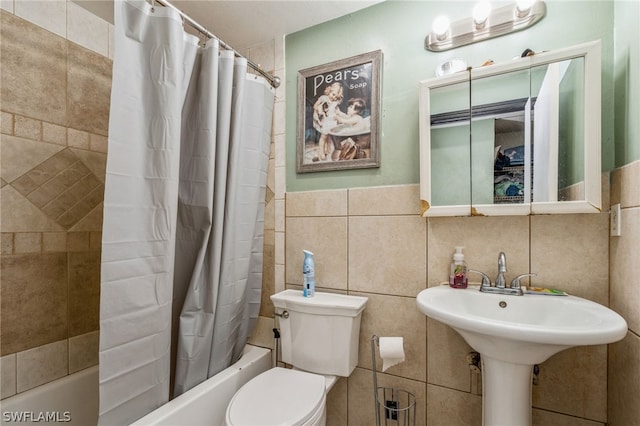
[(337, 407), (7, 376), (268, 276), (280, 150), (548, 418), (27, 242), (574, 382), (48, 14), (87, 30), (7, 5), (111, 41), (361, 400), (78, 139), (19, 215), (269, 214), (386, 315), (326, 237), (7, 243), (624, 381), (89, 90), (83, 351), (483, 239), (78, 241), (94, 161), (35, 287), (28, 128), (316, 203), (6, 123), (448, 407), (95, 240), (263, 333), (98, 143), (625, 269), (34, 80), (447, 357), (84, 292), (20, 155), (54, 133), (41, 365), (387, 200), (387, 254), (570, 252), (54, 241)]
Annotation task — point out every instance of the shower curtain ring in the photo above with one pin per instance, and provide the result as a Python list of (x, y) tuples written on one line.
[(153, 6)]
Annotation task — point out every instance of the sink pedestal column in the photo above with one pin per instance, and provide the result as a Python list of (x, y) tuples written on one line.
[(506, 393)]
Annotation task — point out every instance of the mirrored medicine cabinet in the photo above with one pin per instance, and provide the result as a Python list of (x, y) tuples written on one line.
[(513, 139)]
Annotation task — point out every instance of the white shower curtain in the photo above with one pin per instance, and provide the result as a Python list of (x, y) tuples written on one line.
[(189, 139)]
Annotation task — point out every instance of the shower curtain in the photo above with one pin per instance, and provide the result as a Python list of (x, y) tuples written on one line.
[(189, 140)]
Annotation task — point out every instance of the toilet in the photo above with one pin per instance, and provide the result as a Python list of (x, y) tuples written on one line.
[(319, 337)]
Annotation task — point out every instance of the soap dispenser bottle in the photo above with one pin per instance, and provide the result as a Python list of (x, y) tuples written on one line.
[(458, 271), (308, 274)]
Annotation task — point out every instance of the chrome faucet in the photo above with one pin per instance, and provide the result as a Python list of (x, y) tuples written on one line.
[(502, 268), (500, 286)]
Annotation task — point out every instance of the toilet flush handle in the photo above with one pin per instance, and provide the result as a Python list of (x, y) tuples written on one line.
[(284, 314)]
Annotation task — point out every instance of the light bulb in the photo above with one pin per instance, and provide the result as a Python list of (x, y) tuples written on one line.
[(523, 7), (441, 27), (481, 13)]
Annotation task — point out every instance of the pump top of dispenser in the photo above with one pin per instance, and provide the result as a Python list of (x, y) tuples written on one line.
[(458, 256)]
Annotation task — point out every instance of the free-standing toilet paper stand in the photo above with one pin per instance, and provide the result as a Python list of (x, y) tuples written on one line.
[(393, 406)]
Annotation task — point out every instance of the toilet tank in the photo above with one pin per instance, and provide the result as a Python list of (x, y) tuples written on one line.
[(321, 333)]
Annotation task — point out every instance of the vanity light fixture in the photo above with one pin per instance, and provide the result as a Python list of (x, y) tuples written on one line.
[(484, 24)]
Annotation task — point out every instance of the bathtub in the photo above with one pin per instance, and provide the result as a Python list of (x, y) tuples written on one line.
[(70, 400), (206, 404), (73, 399)]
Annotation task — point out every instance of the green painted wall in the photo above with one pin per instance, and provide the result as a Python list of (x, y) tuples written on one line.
[(627, 82), (398, 28)]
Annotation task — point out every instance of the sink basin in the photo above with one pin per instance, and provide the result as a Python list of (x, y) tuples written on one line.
[(502, 326), (512, 333)]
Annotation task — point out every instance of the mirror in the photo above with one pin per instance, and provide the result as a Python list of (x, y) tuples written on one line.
[(512, 139)]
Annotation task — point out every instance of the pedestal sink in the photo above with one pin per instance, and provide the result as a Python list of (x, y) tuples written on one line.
[(512, 333)]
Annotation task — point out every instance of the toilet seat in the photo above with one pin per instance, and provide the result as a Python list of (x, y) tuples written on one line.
[(279, 396)]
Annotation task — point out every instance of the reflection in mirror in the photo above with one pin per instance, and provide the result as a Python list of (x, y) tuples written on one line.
[(558, 131), (450, 156), (501, 165)]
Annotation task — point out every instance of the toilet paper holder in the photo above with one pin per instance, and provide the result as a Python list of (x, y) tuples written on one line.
[(392, 406)]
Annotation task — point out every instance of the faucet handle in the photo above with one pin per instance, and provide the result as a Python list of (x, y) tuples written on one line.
[(486, 281), (515, 283)]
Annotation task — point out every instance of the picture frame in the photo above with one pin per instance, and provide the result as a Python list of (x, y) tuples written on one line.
[(338, 114)]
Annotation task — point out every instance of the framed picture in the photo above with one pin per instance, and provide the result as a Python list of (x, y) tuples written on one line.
[(339, 115)]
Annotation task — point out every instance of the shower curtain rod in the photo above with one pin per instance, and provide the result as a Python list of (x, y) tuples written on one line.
[(274, 80)]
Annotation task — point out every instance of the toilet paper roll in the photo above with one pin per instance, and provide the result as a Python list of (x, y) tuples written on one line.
[(391, 351)]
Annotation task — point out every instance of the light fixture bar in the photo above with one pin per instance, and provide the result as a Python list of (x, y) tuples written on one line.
[(501, 21)]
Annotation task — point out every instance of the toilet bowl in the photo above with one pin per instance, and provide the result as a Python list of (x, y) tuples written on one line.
[(279, 396), (319, 338)]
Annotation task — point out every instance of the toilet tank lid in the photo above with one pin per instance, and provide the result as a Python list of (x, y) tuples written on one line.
[(320, 304)]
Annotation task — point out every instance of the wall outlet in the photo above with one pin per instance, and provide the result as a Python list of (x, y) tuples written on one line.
[(615, 224)]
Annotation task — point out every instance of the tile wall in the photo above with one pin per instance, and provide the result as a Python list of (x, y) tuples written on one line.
[(55, 89), (624, 369), (372, 242), (56, 81)]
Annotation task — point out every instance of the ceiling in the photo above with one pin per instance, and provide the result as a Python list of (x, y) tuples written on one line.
[(247, 23)]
